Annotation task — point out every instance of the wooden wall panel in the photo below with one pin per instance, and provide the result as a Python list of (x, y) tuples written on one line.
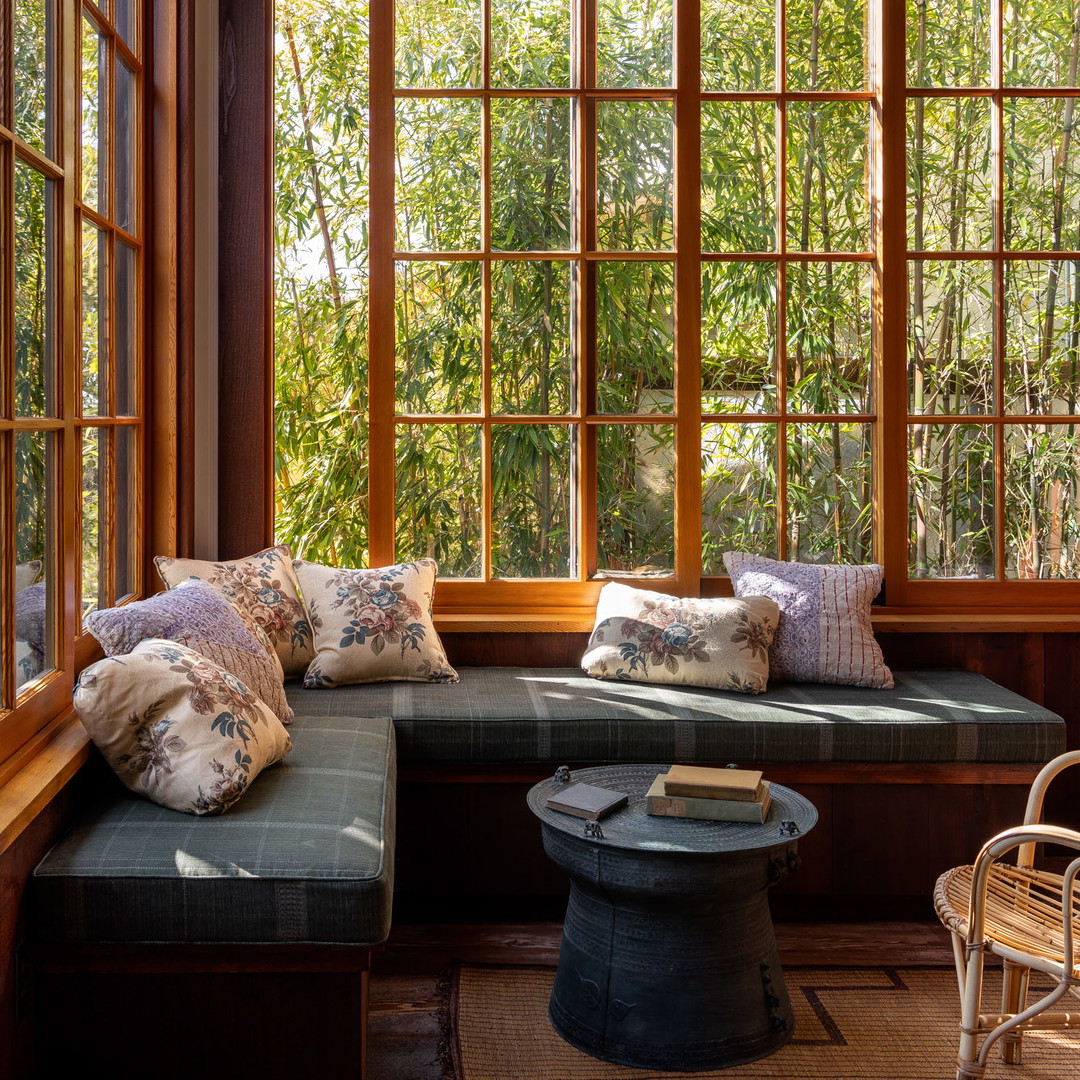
[(245, 278), (16, 982)]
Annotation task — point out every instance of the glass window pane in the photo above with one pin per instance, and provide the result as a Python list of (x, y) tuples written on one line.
[(94, 143), (738, 45), (530, 338), (1042, 176), (634, 171), (126, 516), (1042, 337), (530, 174), (124, 20), (828, 201), (635, 489), (948, 42), (35, 542), (438, 174), (1042, 501), (829, 493), (35, 292), (532, 529), (33, 68), (738, 176), (826, 44), (438, 43), (635, 359), (949, 174), (439, 354), (828, 337), (633, 43), (951, 480), (439, 512), (951, 337), (95, 357), (126, 150), (530, 43), (1041, 42), (738, 337), (738, 492), (128, 325), (95, 460)]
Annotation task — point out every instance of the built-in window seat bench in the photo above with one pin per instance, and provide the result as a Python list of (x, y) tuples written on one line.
[(292, 887)]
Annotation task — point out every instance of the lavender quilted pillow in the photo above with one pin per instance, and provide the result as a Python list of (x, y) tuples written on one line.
[(825, 634), (198, 616)]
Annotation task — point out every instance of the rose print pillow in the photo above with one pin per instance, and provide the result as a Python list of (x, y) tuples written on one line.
[(652, 637), (263, 589), (177, 728), (372, 625)]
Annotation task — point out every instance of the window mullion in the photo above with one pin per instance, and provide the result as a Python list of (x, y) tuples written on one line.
[(381, 322), (889, 131), (688, 490)]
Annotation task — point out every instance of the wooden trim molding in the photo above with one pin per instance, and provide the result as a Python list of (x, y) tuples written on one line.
[(246, 278)]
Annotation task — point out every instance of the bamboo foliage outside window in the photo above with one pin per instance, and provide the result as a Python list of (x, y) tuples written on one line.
[(631, 284)]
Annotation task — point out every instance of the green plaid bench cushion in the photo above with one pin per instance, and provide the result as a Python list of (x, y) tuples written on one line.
[(556, 715), (306, 856)]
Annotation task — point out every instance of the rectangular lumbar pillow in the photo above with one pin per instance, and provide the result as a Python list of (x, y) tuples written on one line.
[(196, 615), (373, 625), (177, 728), (264, 590), (653, 637), (825, 633)]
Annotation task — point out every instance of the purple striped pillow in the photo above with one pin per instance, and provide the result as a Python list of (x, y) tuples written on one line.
[(825, 634)]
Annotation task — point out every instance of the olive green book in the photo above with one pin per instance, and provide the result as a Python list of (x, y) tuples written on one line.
[(660, 804), (701, 782)]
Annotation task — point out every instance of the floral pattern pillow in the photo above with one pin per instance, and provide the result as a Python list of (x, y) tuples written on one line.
[(197, 615), (373, 625), (825, 632), (177, 728), (264, 590), (652, 637)]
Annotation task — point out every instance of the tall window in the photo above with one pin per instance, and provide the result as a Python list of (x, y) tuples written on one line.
[(626, 271), (72, 338), (994, 296)]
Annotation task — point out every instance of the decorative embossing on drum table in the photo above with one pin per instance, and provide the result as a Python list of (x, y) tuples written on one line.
[(668, 956)]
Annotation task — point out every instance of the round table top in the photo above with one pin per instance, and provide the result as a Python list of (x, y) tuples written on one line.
[(631, 828)]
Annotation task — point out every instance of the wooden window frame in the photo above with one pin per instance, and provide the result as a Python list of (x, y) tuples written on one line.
[(558, 604), (37, 716)]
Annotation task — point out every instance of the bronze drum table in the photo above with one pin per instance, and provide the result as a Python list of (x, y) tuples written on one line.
[(668, 957)]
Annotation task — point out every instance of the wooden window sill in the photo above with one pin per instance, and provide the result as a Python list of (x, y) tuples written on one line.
[(886, 621), (34, 774)]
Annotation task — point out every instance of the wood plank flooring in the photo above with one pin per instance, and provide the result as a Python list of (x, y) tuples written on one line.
[(403, 1024)]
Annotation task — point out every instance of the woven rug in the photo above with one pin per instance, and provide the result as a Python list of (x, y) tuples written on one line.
[(850, 1024)]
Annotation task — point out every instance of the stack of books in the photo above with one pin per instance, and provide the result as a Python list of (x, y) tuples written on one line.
[(692, 791)]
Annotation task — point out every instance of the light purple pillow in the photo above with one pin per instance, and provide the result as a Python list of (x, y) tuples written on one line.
[(198, 616), (825, 633)]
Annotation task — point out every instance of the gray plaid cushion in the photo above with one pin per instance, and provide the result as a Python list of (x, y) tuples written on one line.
[(555, 715), (306, 856)]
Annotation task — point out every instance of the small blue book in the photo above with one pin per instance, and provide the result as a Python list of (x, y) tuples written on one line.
[(587, 801)]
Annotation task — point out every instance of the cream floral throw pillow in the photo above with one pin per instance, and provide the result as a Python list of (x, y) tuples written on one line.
[(825, 632), (177, 728), (653, 637), (373, 625), (263, 589)]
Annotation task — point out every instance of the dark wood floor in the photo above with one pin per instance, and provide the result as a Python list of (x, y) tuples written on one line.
[(404, 1027)]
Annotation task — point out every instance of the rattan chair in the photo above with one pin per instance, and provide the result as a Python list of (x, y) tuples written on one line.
[(1014, 912)]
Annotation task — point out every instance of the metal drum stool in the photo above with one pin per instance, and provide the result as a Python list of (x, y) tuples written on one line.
[(668, 957)]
